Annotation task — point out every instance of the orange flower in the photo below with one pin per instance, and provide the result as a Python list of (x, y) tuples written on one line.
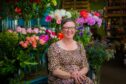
[(24, 44), (42, 42), (27, 38), (34, 44)]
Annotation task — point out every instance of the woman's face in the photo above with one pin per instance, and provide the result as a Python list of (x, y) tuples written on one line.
[(69, 30)]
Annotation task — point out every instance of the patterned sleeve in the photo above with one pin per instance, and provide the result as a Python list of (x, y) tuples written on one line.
[(53, 58), (84, 61)]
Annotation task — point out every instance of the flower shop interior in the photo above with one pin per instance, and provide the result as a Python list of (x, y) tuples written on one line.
[(28, 27)]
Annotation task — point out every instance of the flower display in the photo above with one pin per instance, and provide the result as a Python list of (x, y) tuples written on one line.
[(89, 19), (25, 48)]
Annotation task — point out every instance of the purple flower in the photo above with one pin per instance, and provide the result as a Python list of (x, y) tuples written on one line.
[(91, 21), (80, 28), (96, 18), (81, 33), (99, 22), (48, 18), (80, 20)]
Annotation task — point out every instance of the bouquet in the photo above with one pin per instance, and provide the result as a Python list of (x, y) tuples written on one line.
[(85, 22)]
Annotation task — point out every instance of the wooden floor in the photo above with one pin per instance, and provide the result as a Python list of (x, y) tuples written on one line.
[(113, 72)]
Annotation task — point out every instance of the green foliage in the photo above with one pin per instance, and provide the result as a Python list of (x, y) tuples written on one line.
[(84, 37), (98, 54), (74, 14), (8, 44), (29, 8)]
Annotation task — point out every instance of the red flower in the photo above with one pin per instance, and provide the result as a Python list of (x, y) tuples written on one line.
[(97, 14), (18, 10), (84, 13), (60, 36)]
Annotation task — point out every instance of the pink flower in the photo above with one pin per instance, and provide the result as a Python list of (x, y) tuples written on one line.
[(48, 18), (36, 30), (23, 31), (29, 30), (44, 37), (18, 29), (58, 21), (48, 31), (10, 30), (97, 14)]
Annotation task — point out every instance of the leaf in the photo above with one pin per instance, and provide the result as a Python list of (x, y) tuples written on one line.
[(30, 63)]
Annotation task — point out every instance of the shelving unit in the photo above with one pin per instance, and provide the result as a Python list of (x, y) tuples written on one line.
[(115, 15), (76, 4), (116, 18)]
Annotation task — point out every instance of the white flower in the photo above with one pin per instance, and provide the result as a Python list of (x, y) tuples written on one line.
[(68, 14), (43, 28), (62, 12), (43, 32), (57, 14)]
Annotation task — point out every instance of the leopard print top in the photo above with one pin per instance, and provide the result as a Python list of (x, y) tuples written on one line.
[(66, 60)]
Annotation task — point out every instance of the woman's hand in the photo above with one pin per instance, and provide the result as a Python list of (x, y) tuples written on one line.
[(78, 77)]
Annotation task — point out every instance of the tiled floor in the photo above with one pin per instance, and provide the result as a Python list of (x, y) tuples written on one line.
[(113, 72)]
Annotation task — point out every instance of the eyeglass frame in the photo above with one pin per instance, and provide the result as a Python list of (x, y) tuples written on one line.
[(71, 28)]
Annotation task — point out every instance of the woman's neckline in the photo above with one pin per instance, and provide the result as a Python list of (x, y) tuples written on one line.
[(57, 44)]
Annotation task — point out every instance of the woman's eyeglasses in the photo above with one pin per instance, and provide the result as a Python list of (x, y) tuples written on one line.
[(69, 28)]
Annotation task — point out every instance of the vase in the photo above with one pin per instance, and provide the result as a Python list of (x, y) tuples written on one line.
[(27, 23)]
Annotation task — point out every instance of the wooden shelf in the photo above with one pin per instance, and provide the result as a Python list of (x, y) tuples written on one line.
[(115, 15), (115, 7), (75, 4)]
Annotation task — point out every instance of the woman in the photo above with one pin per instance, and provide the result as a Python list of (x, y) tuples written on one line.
[(67, 61)]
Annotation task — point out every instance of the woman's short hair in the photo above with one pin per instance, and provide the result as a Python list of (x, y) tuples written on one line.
[(66, 20)]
